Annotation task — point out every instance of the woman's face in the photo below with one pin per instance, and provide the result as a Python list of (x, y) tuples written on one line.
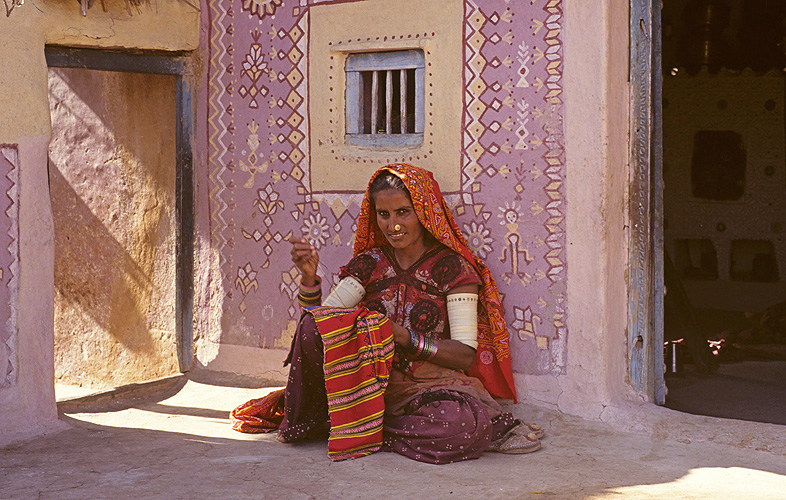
[(397, 219)]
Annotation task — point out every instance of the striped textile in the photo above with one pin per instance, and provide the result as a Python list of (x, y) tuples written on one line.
[(259, 415), (358, 346)]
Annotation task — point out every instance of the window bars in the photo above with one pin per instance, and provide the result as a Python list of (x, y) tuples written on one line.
[(384, 98)]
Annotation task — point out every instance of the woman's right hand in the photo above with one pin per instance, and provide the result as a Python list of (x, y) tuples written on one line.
[(306, 258)]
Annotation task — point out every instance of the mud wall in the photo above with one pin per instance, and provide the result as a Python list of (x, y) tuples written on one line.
[(27, 403), (112, 176)]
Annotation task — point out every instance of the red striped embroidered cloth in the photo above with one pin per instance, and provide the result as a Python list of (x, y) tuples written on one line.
[(358, 356)]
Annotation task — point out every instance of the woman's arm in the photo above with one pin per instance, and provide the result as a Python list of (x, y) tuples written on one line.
[(450, 353)]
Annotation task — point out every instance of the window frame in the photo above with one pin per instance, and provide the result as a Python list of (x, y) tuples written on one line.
[(383, 63)]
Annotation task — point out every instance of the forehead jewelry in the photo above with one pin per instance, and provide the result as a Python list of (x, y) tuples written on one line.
[(397, 227)]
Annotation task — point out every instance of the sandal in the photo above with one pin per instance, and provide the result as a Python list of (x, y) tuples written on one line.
[(516, 443), (533, 428)]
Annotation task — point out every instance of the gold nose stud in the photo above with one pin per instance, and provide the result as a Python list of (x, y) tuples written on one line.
[(397, 227)]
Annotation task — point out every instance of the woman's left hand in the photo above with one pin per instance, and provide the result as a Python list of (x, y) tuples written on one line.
[(450, 353), (401, 335)]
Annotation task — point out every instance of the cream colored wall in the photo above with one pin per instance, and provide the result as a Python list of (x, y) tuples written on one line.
[(433, 26), (596, 118), (28, 407)]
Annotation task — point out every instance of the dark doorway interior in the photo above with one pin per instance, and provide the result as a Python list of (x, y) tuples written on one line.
[(724, 171)]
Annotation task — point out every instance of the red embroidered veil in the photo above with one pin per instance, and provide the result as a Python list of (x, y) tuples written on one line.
[(492, 362)]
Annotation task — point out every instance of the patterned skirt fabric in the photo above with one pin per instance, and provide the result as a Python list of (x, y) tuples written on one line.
[(435, 425), (440, 427), (305, 397)]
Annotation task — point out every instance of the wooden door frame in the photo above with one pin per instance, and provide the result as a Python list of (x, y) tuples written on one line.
[(645, 257), (178, 65)]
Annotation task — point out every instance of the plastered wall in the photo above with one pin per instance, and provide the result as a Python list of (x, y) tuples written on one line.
[(542, 196), (27, 401), (112, 184), (597, 111), (506, 186), (543, 179)]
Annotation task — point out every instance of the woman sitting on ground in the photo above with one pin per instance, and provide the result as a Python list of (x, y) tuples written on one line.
[(412, 265)]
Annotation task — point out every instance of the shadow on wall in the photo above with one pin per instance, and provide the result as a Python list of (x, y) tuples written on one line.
[(112, 182), (94, 273)]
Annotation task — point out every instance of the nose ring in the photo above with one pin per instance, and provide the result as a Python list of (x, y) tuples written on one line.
[(397, 227)]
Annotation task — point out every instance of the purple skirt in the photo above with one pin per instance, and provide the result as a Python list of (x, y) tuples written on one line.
[(439, 426)]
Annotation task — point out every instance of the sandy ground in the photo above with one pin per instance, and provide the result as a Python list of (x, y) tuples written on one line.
[(177, 444)]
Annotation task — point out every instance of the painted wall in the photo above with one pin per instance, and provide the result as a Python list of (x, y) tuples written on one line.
[(27, 404), (529, 117), (543, 182), (509, 196)]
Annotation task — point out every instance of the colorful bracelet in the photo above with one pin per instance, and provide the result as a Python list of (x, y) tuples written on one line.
[(414, 339), (310, 296), (429, 349), (421, 347)]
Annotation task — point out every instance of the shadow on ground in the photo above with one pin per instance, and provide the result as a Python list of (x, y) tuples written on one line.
[(180, 445)]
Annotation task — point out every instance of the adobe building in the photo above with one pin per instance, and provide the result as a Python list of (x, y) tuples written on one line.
[(156, 159)]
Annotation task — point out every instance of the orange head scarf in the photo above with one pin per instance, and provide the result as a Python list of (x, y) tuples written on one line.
[(492, 362)]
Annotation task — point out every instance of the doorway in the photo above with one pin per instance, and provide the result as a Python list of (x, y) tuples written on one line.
[(121, 190), (724, 207)]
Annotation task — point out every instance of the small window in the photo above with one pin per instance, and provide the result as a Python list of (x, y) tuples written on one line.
[(718, 165), (384, 100), (753, 260)]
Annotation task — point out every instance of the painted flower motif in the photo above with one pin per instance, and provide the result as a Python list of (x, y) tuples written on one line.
[(246, 279), (478, 239), (316, 230), (255, 64), (510, 213), (268, 200), (261, 8)]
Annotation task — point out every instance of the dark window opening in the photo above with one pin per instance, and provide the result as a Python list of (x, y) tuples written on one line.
[(718, 165), (753, 260)]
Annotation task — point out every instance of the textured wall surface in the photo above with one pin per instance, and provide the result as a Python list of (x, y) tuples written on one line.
[(9, 263), (28, 406), (510, 204), (112, 174), (750, 105)]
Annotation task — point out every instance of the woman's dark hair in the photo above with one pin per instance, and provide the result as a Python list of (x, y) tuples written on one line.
[(387, 181)]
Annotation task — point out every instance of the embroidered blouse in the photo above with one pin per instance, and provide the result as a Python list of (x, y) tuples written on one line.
[(416, 297)]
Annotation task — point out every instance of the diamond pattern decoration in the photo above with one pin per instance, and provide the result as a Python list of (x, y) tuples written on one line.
[(508, 64)]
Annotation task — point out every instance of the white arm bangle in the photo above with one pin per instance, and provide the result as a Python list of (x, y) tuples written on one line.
[(347, 293), (463, 318)]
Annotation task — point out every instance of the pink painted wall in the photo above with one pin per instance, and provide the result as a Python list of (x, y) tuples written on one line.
[(256, 190), (9, 263)]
